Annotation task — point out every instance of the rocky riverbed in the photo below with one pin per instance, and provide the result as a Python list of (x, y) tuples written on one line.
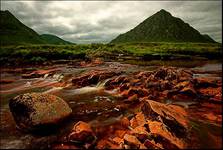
[(111, 105)]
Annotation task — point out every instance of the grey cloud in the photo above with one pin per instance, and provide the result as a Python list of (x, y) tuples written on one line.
[(101, 21)]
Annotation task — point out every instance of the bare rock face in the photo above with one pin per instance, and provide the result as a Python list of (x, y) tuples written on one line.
[(34, 110)]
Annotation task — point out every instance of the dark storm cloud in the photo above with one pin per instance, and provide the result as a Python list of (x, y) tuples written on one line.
[(86, 22)]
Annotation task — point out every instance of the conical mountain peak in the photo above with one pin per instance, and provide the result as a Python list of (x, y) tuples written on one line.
[(162, 27), (162, 15), (6, 13), (164, 12)]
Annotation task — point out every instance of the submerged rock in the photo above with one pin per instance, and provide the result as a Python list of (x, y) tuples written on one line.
[(32, 111)]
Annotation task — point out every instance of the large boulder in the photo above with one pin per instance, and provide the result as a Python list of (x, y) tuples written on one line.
[(32, 111)]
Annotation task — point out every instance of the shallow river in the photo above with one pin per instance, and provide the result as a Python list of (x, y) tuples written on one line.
[(92, 104)]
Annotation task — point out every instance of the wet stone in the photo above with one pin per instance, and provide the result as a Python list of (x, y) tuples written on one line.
[(132, 141), (141, 133), (82, 134), (32, 111), (167, 111), (160, 129)]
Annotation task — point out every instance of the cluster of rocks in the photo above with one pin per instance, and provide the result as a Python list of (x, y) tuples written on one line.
[(155, 125), (166, 83)]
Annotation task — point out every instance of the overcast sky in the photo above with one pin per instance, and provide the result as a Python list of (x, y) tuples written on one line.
[(101, 21)]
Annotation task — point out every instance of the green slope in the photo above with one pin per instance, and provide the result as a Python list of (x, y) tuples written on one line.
[(14, 32), (162, 27), (52, 39)]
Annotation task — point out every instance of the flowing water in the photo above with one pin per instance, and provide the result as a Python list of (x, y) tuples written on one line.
[(91, 103)]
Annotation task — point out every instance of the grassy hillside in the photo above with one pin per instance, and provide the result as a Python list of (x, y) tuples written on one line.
[(53, 39), (12, 31)]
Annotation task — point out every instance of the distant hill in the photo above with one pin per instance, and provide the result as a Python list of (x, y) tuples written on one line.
[(53, 39), (12, 31), (163, 27)]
